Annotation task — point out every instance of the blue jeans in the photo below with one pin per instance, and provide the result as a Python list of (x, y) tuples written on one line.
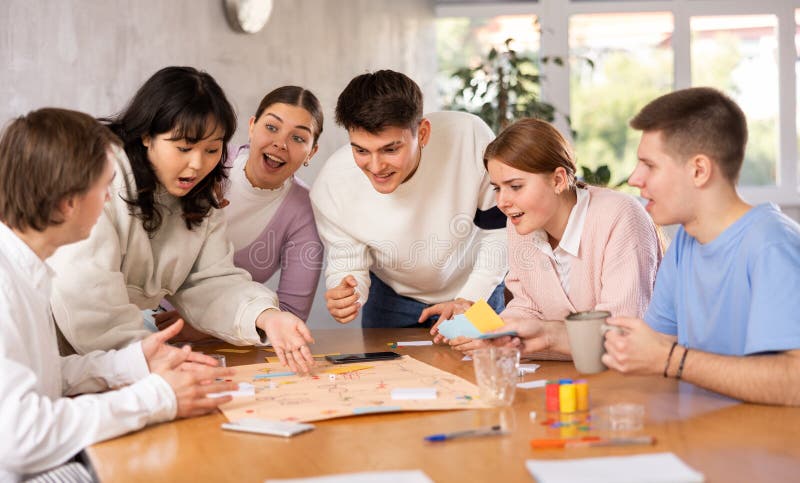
[(386, 309)]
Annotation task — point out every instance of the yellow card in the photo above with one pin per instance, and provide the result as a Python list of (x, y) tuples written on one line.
[(344, 369), (483, 317), (235, 351)]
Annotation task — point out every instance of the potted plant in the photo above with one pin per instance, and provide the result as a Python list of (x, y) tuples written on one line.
[(506, 86)]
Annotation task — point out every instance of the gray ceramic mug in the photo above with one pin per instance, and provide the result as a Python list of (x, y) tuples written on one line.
[(585, 332)]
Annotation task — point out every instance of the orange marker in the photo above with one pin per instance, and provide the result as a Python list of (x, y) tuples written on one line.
[(590, 441), (560, 443)]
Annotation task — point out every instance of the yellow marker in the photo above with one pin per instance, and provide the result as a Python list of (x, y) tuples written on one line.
[(347, 368), (324, 355), (566, 397), (235, 351), (582, 395), (483, 317)]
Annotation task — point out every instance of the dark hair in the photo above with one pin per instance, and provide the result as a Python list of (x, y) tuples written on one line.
[(699, 120), (180, 100), (533, 146), (46, 156), (375, 101), (295, 96)]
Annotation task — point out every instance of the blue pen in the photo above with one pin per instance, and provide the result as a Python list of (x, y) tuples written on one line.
[(469, 433)]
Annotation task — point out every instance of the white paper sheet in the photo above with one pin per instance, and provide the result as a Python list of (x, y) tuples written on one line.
[(410, 476), (245, 389), (650, 468), (532, 384)]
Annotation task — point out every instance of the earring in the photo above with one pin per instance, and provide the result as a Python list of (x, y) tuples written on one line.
[(305, 163)]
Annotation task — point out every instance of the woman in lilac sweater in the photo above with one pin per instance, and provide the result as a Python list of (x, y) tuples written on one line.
[(267, 208), (571, 247), (270, 221)]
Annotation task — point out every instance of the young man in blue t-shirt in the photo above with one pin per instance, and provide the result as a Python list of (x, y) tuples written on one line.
[(725, 313)]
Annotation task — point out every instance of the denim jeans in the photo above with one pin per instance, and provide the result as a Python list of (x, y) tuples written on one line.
[(387, 310)]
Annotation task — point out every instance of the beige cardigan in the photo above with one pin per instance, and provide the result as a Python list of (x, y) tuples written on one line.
[(105, 281)]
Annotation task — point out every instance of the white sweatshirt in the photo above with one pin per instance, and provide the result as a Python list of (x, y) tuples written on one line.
[(421, 239), (104, 282)]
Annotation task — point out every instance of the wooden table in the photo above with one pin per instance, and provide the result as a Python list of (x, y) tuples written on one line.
[(726, 440)]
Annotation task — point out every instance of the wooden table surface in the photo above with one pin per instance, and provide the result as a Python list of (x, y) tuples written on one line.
[(724, 439)]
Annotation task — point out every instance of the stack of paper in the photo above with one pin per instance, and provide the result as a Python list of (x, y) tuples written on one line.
[(651, 468)]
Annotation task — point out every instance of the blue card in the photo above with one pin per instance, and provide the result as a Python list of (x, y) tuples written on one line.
[(458, 326)]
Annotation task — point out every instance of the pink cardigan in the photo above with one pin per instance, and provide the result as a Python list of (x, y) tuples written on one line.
[(615, 270)]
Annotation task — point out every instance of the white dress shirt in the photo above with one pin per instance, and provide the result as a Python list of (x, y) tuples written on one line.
[(567, 249), (40, 428)]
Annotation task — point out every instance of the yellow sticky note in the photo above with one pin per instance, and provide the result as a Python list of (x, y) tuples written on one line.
[(235, 351), (483, 317), (347, 368)]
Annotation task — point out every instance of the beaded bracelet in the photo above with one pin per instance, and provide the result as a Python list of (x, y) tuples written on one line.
[(680, 367), (671, 350)]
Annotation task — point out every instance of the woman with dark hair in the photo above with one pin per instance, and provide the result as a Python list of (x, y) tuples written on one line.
[(270, 221), (268, 211), (162, 235), (571, 247)]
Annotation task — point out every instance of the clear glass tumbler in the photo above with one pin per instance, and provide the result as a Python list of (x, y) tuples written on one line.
[(496, 371)]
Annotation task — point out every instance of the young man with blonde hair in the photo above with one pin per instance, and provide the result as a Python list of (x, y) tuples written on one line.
[(725, 313)]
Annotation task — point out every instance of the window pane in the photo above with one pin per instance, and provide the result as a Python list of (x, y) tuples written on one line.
[(738, 55), (466, 42), (631, 64)]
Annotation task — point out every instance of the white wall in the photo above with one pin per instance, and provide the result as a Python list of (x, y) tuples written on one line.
[(92, 55)]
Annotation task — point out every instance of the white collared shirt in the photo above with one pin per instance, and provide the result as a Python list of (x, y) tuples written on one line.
[(42, 429), (567, 249)]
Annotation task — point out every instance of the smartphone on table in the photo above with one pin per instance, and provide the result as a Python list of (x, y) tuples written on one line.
[(363, 357)]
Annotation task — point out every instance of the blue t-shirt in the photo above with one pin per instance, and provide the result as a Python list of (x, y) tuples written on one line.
[(736, 295)]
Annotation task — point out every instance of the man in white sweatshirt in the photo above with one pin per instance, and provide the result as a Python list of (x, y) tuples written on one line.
[(55, 170), (411, 228)]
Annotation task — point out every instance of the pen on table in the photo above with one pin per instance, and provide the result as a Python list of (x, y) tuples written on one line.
[(590, 441), (469, 433)]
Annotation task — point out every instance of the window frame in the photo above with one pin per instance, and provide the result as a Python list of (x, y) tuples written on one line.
[(554, 17)]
